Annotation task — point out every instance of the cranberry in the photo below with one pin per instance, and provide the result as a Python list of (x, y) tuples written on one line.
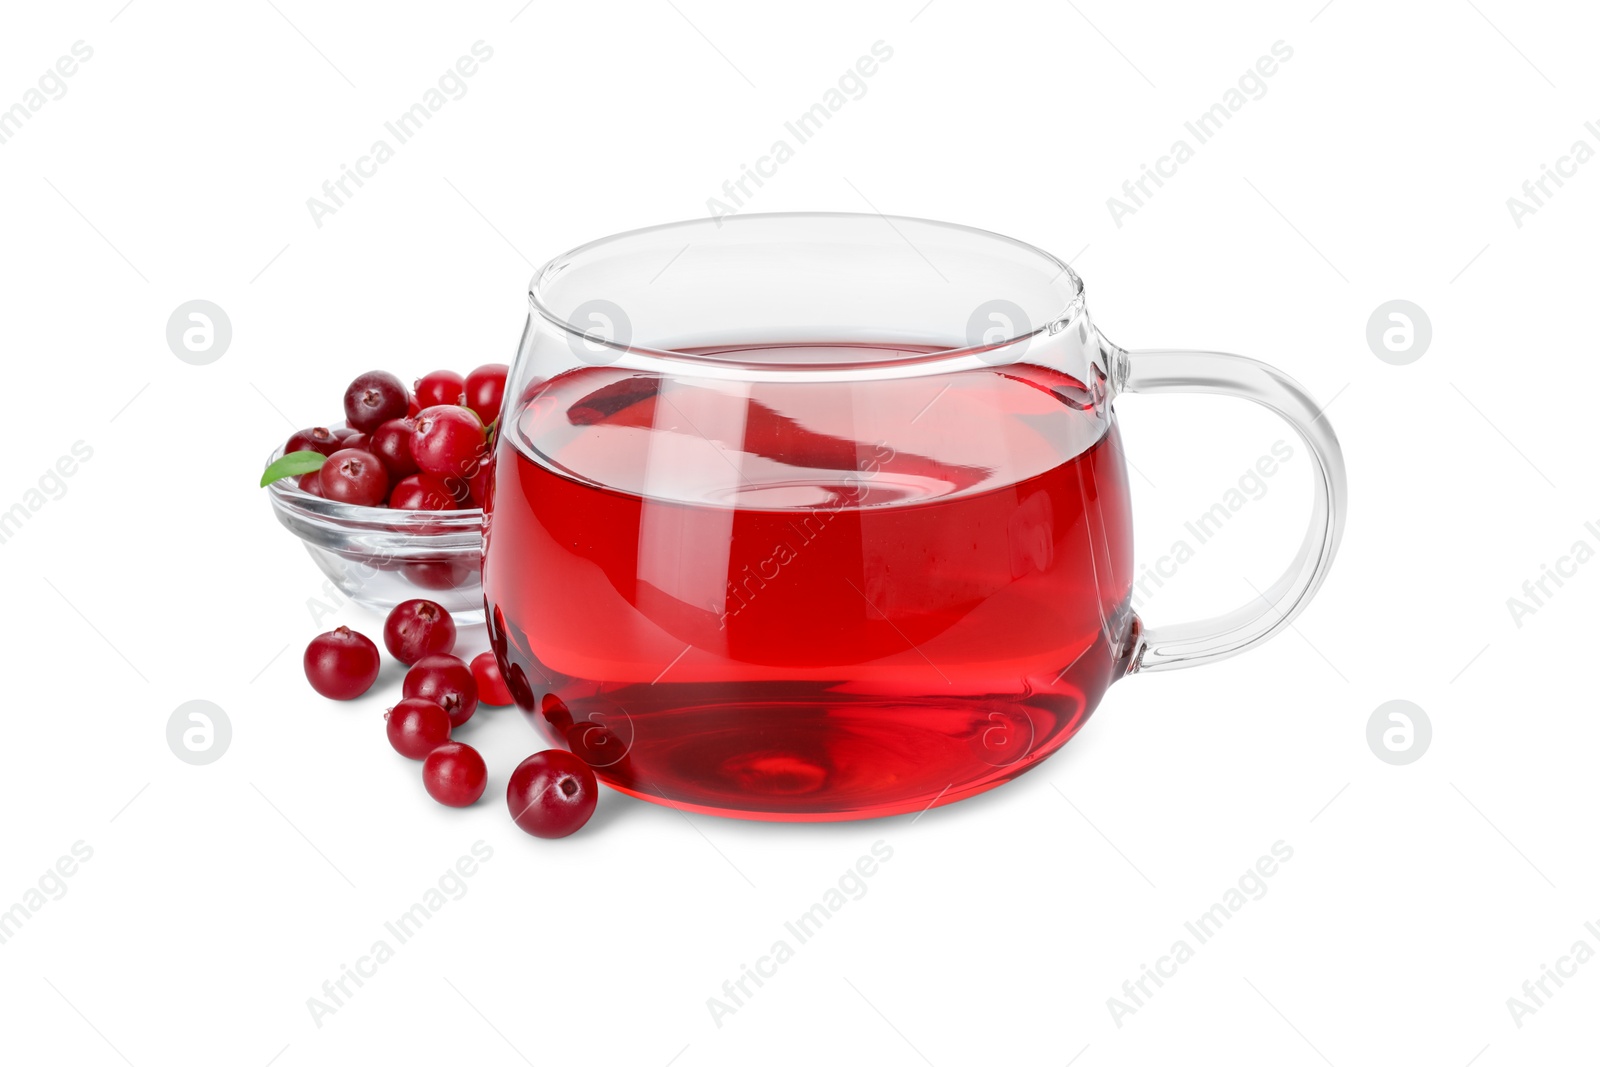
[(422, 492), (354, 476), (484, 389), (392, 443), (596, 743), (318, 439), (438, 573), (358, 440), (447, 681), (417, 628), (521, 688), (492, 688), (343, 432), (341, 664), (412, 407), (460, 490), (454, 774), (439, 387), (310, 483), (551, 793), (553, 708), (416, 727), (470, 484), (373, 399), (478, 482), (448, 440)]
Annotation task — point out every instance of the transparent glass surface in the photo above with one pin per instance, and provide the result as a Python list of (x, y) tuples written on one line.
[(380, 557), (811, 517)]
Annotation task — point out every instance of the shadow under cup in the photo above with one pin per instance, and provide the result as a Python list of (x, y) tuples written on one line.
[(809, 517)]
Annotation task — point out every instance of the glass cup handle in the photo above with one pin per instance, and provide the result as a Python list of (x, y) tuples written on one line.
[(1165, 648)]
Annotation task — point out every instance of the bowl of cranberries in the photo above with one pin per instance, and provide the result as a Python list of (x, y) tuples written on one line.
[(389, 500)]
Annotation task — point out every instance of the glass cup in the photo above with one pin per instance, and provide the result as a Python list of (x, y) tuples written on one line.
[(825, 516)]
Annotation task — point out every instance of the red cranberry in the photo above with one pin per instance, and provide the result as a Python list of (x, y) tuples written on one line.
[(484, 389), (447, 681), (357, 440), (470, 485), (551, 793), (554, 710), (492, 688), (417, 628), (310, 483), (439, 387), (392, 443), (343, 432), (354, 476), (416, 727), (412, 407), (454, 774), (521, 688), (439, 574), (341, 664), (448, 440), (422, 492), (318, 439), (373, 399), (478, 483)]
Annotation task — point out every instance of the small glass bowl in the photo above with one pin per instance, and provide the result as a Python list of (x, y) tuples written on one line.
[(380, 557)]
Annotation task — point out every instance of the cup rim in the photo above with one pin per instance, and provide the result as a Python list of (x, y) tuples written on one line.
[(548, 272)]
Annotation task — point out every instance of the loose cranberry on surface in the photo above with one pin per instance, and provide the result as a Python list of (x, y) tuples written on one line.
[(422, 492), (341, 664), (448, 441), (551, 793), (373, 399), (417, 628), (318, 439), (439, 387), (492, 688), (416, 727), (354, 476), (392, 443), (484, 389), (447, 681), (454, 774)]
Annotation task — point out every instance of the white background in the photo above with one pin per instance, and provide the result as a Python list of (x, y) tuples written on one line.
[(1377, 166)]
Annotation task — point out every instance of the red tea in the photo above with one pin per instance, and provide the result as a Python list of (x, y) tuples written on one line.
[(809, 601)]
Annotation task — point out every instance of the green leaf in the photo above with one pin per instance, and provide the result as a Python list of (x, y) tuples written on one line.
[(293, 463)]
